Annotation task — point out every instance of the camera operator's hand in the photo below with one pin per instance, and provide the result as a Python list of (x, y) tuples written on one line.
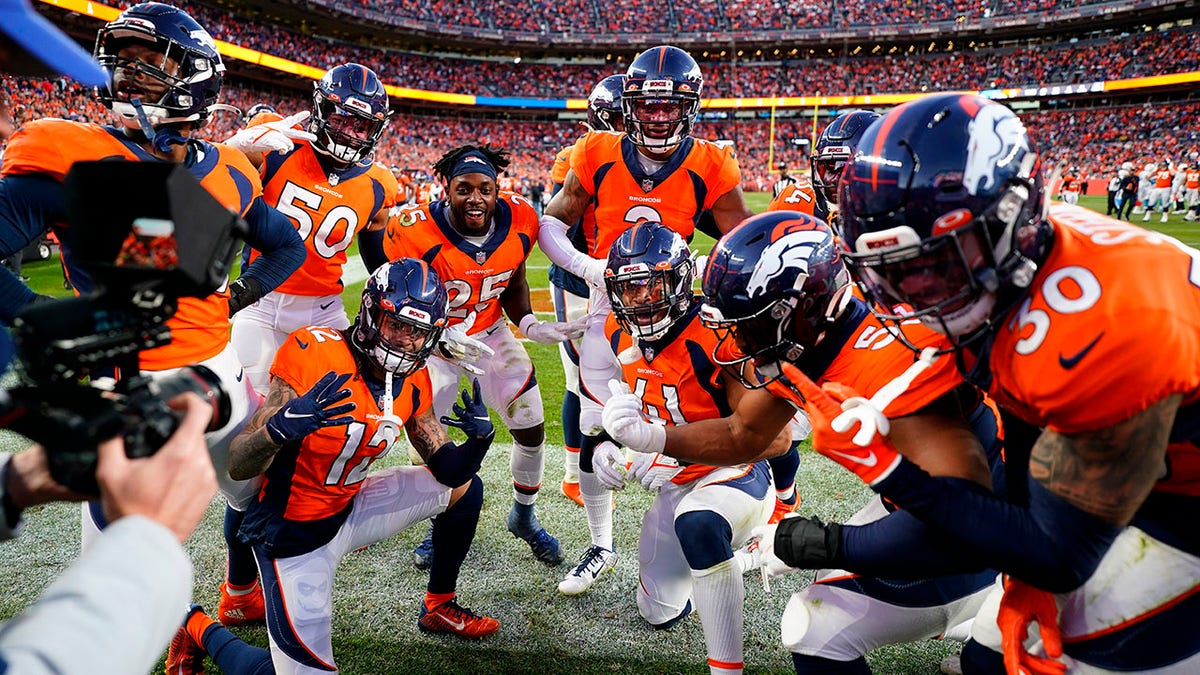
[(317, 408), (171, 487), (27, 481)]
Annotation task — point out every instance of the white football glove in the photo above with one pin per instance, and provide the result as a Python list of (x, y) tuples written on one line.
[(461, 349), (552, 332), (593, 273), (653, 471), (272, 136), (608, 463), (624, 422), (762, 548)]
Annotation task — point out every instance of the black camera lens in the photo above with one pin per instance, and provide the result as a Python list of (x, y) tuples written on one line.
[(204, 383)]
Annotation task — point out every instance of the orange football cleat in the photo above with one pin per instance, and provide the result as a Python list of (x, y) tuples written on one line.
[(185, 656), (239, 610), (782, 508), (450, 617), (571, 491)]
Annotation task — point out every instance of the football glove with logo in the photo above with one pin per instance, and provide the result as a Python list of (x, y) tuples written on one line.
[(609, 465), (272, 136), (653, 471), (317, 408), (461, 349), (453, 465)]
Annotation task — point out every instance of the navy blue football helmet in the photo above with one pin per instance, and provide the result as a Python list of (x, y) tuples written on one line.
[(350, 111), (649, 279), (661, 98), (774, 285), (943, 213), (258, 109), (604, 105), (834, 148), (403, 314), (184, 79)]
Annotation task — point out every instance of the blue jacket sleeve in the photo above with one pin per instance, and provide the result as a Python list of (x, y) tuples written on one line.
[(28, 205), (282, 249), (1051, 544)]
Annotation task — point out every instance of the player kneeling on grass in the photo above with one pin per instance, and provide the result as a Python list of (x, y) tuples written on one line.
[(318, 503), (701, 513)]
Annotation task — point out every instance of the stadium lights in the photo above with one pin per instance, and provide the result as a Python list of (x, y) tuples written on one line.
[(857, 49), (875, 50), (931, 46)]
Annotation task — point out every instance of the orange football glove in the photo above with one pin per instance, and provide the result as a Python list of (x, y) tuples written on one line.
[(835, 411), (1021, 605)]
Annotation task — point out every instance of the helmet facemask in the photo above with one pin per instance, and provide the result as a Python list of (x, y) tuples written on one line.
[(397, 340), (346, 130), (659, 122), (648, 301)]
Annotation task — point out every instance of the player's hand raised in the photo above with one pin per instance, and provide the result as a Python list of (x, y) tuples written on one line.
[(552, 332), (317, 408), (624, 422), (461, 349), (472, 415), (277, 136)]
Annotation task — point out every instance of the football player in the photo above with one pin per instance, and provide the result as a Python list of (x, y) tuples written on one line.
[(701, 514), (165, 76), (654, 171), (778, 293), (568, 292), (331, 189), (1049, 309), (337, 403), (477, 240)]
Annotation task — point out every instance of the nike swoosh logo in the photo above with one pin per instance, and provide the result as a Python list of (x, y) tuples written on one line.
[(1069, 362), (328, 304), (288, 414), (457, 624), (303, 345), (241, 372), (868, 461)]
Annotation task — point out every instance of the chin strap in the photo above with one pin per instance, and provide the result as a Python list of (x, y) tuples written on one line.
[(160, 139)]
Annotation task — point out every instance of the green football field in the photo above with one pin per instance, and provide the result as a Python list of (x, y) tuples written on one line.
[(377, 591)]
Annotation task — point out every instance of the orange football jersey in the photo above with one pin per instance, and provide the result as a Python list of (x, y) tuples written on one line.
[(1163, 178), (798, 196), (1111, 324), (607, 165), (1191, 179), (317, 477), (867, 357), (562, 164), (475, 276), (678, 384), (328, 208), (200, 327)]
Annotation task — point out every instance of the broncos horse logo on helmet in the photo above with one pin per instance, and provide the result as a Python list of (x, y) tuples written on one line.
[(773, 285), (943, 212), (350, 112), (604, 105), (403, 314)]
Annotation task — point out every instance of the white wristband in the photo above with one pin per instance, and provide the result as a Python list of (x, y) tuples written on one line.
[(527, 321)]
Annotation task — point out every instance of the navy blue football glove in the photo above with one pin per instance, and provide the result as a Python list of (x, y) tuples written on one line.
[(315, 409), (472, 416)]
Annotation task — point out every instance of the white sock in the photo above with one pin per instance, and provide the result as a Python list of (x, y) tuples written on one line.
[(720, 597), (597, 504), (571, 465), (527, 465)]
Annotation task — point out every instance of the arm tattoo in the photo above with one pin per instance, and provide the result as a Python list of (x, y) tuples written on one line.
[(252, 450), (1109, 472), (425, 434)]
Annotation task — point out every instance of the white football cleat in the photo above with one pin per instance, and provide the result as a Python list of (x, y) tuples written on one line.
[(594, 562)]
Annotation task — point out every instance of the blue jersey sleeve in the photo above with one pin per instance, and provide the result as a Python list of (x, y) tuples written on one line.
[(29, 204)]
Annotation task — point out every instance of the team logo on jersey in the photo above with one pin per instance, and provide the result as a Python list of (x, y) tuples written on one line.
[(647, 184), (480, 257), (334, 178)]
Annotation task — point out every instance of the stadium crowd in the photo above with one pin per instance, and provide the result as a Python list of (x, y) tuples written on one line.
[(1069, 62), (1093, 139)]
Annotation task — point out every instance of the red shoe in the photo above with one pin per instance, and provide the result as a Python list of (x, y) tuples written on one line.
[(239, 610), (571, 491), (781, 510), (450, 617), (184, 656)]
